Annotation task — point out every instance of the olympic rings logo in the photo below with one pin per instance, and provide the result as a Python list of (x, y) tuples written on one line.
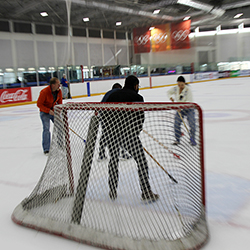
[(180, 35), (159, 38), (142, 40)]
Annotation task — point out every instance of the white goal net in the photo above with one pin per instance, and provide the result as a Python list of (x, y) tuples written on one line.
[(114, 179)]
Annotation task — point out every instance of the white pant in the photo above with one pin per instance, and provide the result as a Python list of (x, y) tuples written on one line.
[(65, 92)]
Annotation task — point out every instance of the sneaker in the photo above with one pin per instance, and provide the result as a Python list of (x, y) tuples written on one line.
[(176, 143), (149, 196), (102, 158), (46, 153), (125, 157), (112, 195)]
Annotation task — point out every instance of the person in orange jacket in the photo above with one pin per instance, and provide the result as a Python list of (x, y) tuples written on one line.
[(48, 98)]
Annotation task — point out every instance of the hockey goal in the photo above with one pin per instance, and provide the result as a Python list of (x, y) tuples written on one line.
[(72, 198)]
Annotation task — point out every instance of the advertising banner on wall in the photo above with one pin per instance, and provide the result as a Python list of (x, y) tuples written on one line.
[(163, 37), (180, 35), (202, 76), (160, 38), (141, 38), (17, 95)]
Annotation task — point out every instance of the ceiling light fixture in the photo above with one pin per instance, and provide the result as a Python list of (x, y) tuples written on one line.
[(85, 19), (238, 15), (156, 12), (151, 28), (197, 5), (44, 14), (118, 23), (186, 18)]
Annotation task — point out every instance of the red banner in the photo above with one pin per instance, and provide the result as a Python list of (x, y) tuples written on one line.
[(141, 37), (160, 38), (18, 95), (180, 35)]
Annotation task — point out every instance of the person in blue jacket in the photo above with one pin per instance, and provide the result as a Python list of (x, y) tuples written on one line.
[(65, 87)]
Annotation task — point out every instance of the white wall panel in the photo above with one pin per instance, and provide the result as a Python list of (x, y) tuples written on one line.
[(25, 53), (245, 43), (64, 54), (5, 54), (95, 54), (122, 56), (46, 55), (227, 48), (81, 54), (109, 54)]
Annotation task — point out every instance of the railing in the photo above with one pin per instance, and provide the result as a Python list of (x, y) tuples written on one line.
[(21, 77)]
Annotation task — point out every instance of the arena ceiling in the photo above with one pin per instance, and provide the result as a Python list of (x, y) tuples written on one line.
[(103, 14)]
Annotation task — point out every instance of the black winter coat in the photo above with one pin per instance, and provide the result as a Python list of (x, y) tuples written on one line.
[(125, 122)]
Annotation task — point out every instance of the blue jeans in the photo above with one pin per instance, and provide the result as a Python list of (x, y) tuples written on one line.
[(45, 117), (177, 123)]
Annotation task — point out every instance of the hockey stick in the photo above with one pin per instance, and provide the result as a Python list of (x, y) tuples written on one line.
[(177, 156), (191, 138), (169, 175), (73, 131), (77, 134)]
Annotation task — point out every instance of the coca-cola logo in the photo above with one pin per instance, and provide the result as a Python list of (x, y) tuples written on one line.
[(180, 35), (19, 95)]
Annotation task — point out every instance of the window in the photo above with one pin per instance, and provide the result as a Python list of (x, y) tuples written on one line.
[(94, 33), (22, 27), (108, 34), (43, 29), (121, 35), (61, 31), (79, 32), (4, 26)]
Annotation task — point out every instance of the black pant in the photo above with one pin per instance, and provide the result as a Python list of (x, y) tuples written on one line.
[(134, 146)]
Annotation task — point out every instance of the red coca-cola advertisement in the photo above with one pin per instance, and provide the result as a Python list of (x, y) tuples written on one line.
[(17, 95), (180, 35)]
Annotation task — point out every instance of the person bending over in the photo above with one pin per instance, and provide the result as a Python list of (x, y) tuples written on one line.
[(48, 98), (123, 155), (124, 132)]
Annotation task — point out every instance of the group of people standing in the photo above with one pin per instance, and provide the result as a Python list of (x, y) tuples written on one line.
[(129, 123)]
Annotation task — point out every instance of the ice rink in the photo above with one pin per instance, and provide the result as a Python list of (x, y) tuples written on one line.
[(226, 112)]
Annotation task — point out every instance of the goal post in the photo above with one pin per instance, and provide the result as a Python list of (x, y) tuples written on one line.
[(73, 197)]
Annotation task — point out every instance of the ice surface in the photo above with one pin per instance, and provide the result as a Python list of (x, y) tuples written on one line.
[(225, 104)]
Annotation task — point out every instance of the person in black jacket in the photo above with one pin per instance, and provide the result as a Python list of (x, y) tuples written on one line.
[(124, 132), (103, 144)]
